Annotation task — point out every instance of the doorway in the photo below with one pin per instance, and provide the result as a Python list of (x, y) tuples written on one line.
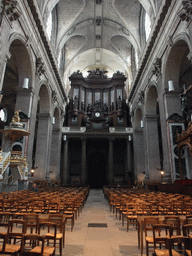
[(97, 162), (97, 170)]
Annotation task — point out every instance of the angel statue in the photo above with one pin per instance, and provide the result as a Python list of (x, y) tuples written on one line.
[(16, 118)]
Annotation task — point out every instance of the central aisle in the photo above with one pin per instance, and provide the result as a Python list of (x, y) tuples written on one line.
[(112, 240)]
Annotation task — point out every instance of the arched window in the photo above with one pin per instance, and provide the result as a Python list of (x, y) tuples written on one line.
[(147, 26), (49, 25)]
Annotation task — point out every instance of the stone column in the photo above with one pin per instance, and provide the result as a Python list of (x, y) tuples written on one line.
[(110, 176), (151, 147), (65, 169), (138, 152), (55, 155), (43, 146), (83, 162)]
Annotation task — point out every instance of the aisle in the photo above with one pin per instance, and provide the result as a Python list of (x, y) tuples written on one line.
[(112, 240)]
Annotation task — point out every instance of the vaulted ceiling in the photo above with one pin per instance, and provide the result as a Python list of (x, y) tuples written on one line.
[(105, 34)]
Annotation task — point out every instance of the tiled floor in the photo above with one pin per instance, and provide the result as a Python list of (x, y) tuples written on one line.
[(112, 240)]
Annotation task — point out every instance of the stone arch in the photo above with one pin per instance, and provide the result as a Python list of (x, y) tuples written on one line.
[(28, 64), (151, 100), (44, 99), (18, 67), (177, 67), (177, 61)]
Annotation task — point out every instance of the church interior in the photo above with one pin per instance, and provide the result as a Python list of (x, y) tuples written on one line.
[(96, 95)]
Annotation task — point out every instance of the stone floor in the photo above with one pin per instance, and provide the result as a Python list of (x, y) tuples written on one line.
[(112, 240)]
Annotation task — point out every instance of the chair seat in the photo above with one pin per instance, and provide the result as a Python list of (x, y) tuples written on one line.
[(58, 236), (48, 250), (132, 217), (149, 239), (165, 252), (188, 252), (11, 248)]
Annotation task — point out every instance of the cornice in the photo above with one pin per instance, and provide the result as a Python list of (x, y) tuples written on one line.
[(150, 44), (39, 23)]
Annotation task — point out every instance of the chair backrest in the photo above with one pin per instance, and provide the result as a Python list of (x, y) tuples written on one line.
[(172, 221), (31, 220), (178, 244), (16, 228), (148, 224), (187, 229), (189, 219), (160, 234), (58, 219), (34, 240), (42, 226)]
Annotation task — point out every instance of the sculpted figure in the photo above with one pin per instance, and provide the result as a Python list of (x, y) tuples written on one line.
[(16, 118)]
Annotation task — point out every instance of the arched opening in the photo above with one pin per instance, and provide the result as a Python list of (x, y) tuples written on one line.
[(17, 69), (17, 79), (178, 69)]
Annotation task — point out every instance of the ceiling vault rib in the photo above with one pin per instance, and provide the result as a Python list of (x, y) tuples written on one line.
[(47, 46), (150, 45)]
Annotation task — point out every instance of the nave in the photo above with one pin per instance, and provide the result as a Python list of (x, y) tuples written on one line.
[(112, 240)]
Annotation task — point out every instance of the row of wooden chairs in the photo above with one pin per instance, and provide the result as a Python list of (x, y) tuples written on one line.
[(33, 225), (59, 201), (131, 204), (169, 228), (166, 242)]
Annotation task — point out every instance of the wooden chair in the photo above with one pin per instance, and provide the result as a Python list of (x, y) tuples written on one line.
[(44, 228), (31, 220), (148, 229), (187, 230), (69, 212), (53, 207), (178, 245), (16, 228), (38, 207), (36, 245), (172, 221), (3, 237), (189, 219), (59, 220), (160, 238), (131, 209), (4, 220), (14, 233)]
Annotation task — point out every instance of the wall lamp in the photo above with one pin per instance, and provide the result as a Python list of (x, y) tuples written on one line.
[(170, 86), (25, 83)]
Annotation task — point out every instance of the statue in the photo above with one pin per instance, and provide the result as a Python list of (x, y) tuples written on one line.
[(16, 118)]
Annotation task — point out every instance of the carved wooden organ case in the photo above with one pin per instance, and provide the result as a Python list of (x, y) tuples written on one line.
[(97, 102)]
